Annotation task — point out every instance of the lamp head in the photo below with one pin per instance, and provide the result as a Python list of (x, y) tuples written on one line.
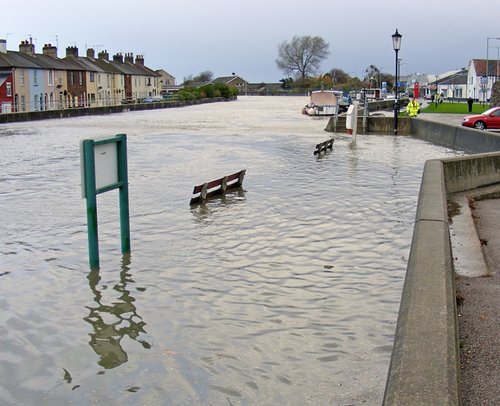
[(396, 40)]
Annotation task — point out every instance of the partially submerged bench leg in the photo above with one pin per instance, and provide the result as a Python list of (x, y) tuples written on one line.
[(240, 178), (203, 193), (223, 185)]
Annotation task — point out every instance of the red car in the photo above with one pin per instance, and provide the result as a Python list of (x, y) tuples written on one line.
[(490, 119)]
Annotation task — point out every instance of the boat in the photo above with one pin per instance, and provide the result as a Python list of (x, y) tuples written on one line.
[(325, 103)]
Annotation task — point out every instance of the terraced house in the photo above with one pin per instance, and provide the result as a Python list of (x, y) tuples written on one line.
[(37, 82)]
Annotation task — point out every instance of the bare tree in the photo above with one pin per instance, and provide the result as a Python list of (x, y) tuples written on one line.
[(302, 56), (202, 77), (339, 75), (205, 76)]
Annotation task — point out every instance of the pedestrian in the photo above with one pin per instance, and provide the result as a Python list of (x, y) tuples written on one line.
[(469, 104), (413, 108)]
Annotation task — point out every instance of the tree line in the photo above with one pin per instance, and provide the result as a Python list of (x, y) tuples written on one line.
[(300, 59)]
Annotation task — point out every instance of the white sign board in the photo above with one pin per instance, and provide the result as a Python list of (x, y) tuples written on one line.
[(106, 165), (105, 162)]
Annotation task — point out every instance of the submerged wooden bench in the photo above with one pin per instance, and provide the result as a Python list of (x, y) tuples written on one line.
[(323, 146), (217, 186)]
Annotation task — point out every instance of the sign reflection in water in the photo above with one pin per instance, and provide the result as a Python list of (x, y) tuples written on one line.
[(111, 322)]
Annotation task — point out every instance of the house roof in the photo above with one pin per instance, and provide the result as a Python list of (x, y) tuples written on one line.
[(103, 64), (459, 78), (480, 67), (83, 63), (13, 59), (227, 79), (163, 72), (48, 62)]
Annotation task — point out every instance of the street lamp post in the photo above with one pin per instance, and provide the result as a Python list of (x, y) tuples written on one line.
[(396, 44)]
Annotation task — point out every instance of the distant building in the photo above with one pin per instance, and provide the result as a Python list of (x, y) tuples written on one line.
[(167, 82), (480, 81), (263, 88), (454, 86), (234, 81)]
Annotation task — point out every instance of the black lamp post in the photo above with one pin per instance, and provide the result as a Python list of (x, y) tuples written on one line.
[(396, 44)]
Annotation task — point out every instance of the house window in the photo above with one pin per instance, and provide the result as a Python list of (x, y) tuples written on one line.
[(21, 77), (35, 78), (9, 89), (60, 78), (72, 78), (92, 77), (80, 78), (23, 103), (50, 77), (107, 80)]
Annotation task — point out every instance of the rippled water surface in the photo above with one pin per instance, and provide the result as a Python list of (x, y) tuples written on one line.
[(285, 292)]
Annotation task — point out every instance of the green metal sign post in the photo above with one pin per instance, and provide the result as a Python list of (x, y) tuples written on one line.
[(104, 168)]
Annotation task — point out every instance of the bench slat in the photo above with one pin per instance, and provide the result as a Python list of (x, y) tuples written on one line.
[(228, 181)]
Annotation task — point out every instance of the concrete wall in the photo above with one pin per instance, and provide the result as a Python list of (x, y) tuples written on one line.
[(374, 125), (425, 362), (470, 172), (455, 137), (424, 367)]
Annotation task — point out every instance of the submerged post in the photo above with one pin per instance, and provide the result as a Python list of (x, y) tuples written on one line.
[(104, 168), (89, 191), (124, 207)]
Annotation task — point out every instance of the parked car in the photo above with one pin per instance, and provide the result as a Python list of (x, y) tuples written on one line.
[(490, 119), (153, 99)]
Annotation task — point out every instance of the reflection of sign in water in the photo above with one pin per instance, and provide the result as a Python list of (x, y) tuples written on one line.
[(111, 322)]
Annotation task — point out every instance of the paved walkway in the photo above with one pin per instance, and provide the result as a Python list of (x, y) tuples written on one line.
[(478, 294), (478, 300)]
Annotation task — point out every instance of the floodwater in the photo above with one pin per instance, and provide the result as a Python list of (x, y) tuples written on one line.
[(285, 292)]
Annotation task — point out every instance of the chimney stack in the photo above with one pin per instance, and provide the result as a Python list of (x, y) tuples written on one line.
[(71, 51), (139, 60), (118, 58), (90, 53), (129, 58), (3, 46), (50, 50), (103, 55), (27, 47)]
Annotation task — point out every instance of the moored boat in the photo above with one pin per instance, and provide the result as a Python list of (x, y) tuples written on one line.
[(324, 103)]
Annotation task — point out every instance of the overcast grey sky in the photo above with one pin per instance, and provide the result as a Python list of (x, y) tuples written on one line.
[(187, 37)]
